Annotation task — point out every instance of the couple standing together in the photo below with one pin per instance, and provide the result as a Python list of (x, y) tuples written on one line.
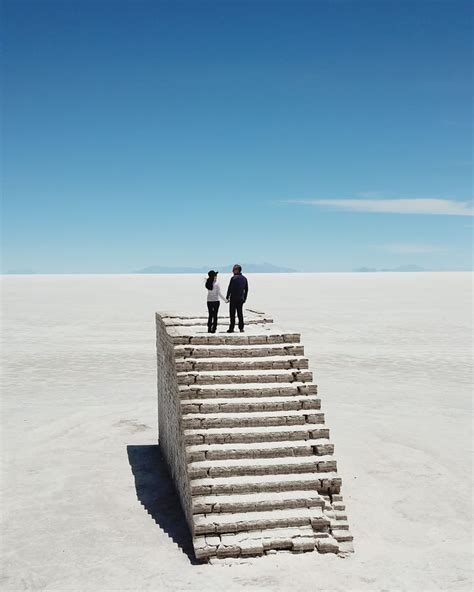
[(236, 296)]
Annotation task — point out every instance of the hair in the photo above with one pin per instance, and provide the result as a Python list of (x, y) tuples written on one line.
[(239, 267), (210, 280)]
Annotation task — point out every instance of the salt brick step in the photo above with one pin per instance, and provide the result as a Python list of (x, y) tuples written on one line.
[(256, 502), (238, 405), (255, 434), (234, 339), (251, 419), (342, 535), (202, 321), (237, 351), (319, 482), (257, 542), (238, 522), (261, 466), (345, 547), (261, 363), (340, 524), (244, 376), (200, 452), (267, 389)]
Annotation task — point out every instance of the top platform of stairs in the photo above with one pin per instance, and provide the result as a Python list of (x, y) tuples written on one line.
[(259, 331), (252, 317)]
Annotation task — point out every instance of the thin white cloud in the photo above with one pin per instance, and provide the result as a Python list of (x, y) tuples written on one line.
[(411, 248), (370, 194), (431, 206)]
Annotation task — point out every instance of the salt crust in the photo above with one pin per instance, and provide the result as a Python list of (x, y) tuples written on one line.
[(251, 414), (223, 359), (257, 445), (307, 427), (237, 346), (237, 517), (170, 317), (258, 497), (252, 329), (250, 400), (244, 385), (248, 462), (256, 372), (240, 479)]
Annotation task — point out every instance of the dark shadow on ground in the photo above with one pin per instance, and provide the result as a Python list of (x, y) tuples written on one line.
[(156, 492)]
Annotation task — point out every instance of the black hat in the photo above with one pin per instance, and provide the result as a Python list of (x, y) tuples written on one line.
[(212, 273)]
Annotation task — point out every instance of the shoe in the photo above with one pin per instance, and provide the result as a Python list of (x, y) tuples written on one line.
[(230, 330), (241, 330)]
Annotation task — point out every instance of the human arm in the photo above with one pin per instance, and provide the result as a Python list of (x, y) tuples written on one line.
[(228, 289), (219, 293), (246, 289)]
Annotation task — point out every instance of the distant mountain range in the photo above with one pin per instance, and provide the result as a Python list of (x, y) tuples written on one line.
[(20, 272), (399, 268), (246, 268)]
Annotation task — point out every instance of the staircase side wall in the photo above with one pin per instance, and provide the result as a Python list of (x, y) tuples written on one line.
[(170, 426)]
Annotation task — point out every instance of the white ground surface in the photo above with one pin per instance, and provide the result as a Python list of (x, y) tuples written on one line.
[(390, 353)]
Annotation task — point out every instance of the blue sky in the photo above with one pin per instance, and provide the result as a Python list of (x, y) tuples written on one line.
[(323, 136)]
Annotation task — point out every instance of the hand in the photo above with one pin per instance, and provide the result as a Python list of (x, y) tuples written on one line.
[(227, 300)]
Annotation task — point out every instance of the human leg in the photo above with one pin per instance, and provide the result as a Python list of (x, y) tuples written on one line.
[(214, 316), (240, 314), (232, 311), (209, 317)]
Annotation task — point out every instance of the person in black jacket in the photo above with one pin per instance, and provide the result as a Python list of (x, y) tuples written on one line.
[(237, 295)]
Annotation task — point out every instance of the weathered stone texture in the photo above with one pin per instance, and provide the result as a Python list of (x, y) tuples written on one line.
[(245, 440), (170, 423)]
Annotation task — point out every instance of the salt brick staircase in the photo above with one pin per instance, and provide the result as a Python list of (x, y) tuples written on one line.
[(258, 471)]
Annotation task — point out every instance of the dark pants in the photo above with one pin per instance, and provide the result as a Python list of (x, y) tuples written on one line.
[(213, 308), (235, 306)]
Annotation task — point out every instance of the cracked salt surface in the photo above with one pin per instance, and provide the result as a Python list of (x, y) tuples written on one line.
[(393, 353)]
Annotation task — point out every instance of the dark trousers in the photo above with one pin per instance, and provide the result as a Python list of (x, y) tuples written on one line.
[(213, 308), (235, 306)]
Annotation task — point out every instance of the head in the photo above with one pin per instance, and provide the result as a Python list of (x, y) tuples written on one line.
[(237, 269), (211, 278)]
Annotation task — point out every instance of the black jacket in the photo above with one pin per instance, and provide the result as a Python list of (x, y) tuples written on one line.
[(238, 288)]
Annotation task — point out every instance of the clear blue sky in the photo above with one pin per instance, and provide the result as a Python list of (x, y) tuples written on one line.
[(319, 135)]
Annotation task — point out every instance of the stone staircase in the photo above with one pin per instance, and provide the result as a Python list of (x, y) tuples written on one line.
[(256, 454)]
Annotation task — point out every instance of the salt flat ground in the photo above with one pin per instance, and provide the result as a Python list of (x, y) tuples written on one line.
[(391, 355)]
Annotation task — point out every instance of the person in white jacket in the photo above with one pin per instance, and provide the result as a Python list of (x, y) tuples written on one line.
[(213, 295)]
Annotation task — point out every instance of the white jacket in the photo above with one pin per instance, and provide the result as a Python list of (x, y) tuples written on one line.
[(214, 294)]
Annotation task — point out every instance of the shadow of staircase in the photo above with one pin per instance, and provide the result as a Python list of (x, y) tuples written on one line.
[(156, 492)]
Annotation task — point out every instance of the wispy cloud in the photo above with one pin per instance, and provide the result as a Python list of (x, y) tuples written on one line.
[(371, 194), (411, 248), (431, 206)]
